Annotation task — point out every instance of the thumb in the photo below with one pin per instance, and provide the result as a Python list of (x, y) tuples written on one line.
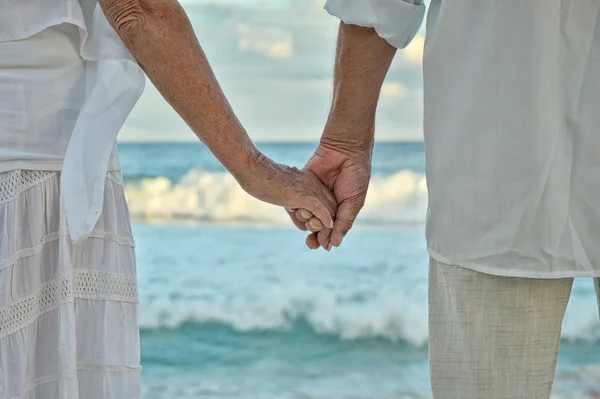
[(344, 220)]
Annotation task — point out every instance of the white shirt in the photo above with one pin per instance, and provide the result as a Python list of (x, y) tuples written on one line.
[(67, 84), (512, 129)]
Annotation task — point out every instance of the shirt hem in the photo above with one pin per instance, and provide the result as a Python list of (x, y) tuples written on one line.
[(504, 272)]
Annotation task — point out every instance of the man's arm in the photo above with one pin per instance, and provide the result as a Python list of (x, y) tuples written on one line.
[(362, 62), (343, 159)]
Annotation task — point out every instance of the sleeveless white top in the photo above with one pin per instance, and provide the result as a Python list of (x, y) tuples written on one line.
[(67, 84)]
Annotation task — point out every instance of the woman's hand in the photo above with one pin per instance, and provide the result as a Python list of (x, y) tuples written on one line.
[(289, 187)]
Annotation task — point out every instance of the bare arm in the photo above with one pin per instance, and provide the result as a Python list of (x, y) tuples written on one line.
[(362, 62), (343, 159), (159, 35)]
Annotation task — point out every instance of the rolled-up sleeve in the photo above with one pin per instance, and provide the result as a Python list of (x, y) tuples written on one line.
[(396, 21)]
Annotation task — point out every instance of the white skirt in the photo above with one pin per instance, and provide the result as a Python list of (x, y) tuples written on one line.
[(68, 313)]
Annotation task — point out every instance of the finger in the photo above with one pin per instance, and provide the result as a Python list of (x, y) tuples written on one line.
[(300, 225), (330, 200), (303, 215), (311, 241), (314, 225), (325, 194), (346, 215), (340, 229), (323, 237), (319, 209)]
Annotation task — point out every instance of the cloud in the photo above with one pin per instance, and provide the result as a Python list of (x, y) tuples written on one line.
[(274, 60), (271, 42), (414, 52), (394, 91)]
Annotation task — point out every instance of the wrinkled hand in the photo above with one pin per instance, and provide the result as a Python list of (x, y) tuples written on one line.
[(347, 173), (289, 187)]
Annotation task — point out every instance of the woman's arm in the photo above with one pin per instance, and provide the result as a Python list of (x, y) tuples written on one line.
[(159, 35)]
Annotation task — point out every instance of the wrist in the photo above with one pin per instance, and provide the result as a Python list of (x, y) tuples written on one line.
[(245, 164), (255, 168), (351, 138)]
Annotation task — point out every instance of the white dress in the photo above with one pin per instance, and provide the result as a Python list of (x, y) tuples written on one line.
[(68, 308), (68, 312)]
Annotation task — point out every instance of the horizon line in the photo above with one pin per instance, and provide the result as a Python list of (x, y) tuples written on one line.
[(263, 141)]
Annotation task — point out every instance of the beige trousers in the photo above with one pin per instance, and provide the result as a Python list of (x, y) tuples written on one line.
[(493, 337)]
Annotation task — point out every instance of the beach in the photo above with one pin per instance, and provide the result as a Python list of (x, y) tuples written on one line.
[(232, 305)]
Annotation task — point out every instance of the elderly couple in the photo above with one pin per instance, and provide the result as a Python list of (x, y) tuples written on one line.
[(512, 136)]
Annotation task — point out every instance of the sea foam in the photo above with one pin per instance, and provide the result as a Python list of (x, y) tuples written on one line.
[(398, 199)]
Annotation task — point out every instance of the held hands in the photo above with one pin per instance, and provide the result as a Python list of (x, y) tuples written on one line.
[(289, 187), (346, 170), (323, 198)]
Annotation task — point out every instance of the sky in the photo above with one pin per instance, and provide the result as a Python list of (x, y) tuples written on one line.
[(274, 60)]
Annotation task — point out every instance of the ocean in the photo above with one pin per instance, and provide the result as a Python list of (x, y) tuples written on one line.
[(232, 304)]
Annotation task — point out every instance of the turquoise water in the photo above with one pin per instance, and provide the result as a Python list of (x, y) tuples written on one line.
[(233, 305)]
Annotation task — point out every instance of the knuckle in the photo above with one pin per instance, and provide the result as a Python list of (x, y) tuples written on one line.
[(314, 202), (346, 224)]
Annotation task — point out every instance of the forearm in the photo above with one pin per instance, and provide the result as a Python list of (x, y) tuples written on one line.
[(161, 38), (362, 62)]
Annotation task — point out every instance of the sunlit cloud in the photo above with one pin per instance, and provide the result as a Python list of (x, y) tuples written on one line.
[(414, 52), (274, 60), (271, 42), (394, 91)]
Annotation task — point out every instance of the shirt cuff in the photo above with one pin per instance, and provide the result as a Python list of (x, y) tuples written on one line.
[(396, 21)]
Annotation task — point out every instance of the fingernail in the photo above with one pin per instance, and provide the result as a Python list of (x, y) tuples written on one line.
[(304, 214), (328, 247), (331, 224)]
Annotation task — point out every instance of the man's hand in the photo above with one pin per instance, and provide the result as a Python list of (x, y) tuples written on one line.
[(343, 159), (347, 175)]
